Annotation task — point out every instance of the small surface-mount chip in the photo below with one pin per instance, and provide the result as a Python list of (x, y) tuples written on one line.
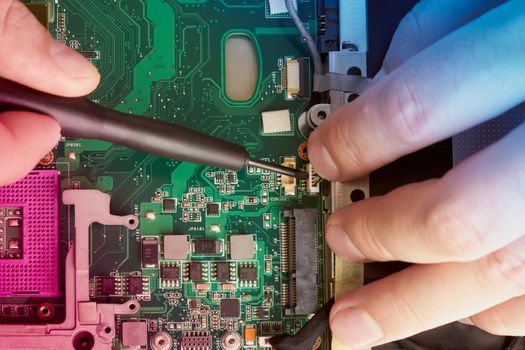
[(276, 121), (207, 246), (106, 285), (230, 308), (169, 204), (150, 251), (222, 271), (247, 273), (134, 334), (195, 271), (212, 209), (171, 273), (242, 247), (135, 285), (176, 247)]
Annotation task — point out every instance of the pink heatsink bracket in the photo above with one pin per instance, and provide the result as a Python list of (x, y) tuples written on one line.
[(36, 273)]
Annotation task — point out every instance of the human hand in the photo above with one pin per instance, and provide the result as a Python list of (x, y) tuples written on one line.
[(28, 55), (451, 65)]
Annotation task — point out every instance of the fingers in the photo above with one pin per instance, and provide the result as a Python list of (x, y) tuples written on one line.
[(427, 296), (29, 56), (475, 209), (24, 139), (456, 83), (504, 319), (429, 21)]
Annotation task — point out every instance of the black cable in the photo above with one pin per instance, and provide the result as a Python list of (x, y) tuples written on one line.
[(306, 337)]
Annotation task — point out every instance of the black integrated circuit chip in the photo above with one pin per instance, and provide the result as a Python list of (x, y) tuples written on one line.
[(150, 251), (222, 271), (135, 285), (212, 209), (107, 285), (195, 273), (247, 273), (91, 54), (230, 308), (262, 313), (207, 246), (170, 273), (231, 177), (219, 177), (169, 204)]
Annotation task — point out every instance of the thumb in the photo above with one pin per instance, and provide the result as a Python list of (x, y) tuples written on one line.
[(31, 57)]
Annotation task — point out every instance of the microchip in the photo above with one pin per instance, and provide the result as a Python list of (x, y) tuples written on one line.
[(91, 54), (212, 209), (222, 271), (150, 251), (106, 285), (207, 246), (231, 177), (169, 272), (176, 247), (230, 308), (134, 334), (247, 273), (219, 177), (22, 311), (242, 247), (168, 204), (262, 313), (274, 122), (8, 311), (135, 286), (195, 273)]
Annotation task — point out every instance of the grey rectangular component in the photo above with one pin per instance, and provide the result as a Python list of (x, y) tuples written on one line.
[(305, 260), (353, 14)]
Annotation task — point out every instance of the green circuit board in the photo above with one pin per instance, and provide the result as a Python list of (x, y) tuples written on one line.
[(215, 251)]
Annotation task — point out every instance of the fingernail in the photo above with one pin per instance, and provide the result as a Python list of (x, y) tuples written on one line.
[(341, 244), (356, 328), (322, 160), (71, 62)]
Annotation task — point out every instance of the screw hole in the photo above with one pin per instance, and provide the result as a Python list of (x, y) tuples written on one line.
[(107, 330), (352, 97), (357, 195), (354, 71), (45, 311), (322, 115), (132, 306), (131, 221), (83, 341)]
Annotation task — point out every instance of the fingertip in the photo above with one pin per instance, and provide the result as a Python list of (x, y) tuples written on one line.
[(341, 244), (84, 75), (321, 158), (24, 139), (355, 327)]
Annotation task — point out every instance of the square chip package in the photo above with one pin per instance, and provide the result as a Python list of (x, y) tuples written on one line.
[(176, 247), (230, 308), (29, 236)]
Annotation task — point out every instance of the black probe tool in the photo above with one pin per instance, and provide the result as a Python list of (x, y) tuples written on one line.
[(82, 118)]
